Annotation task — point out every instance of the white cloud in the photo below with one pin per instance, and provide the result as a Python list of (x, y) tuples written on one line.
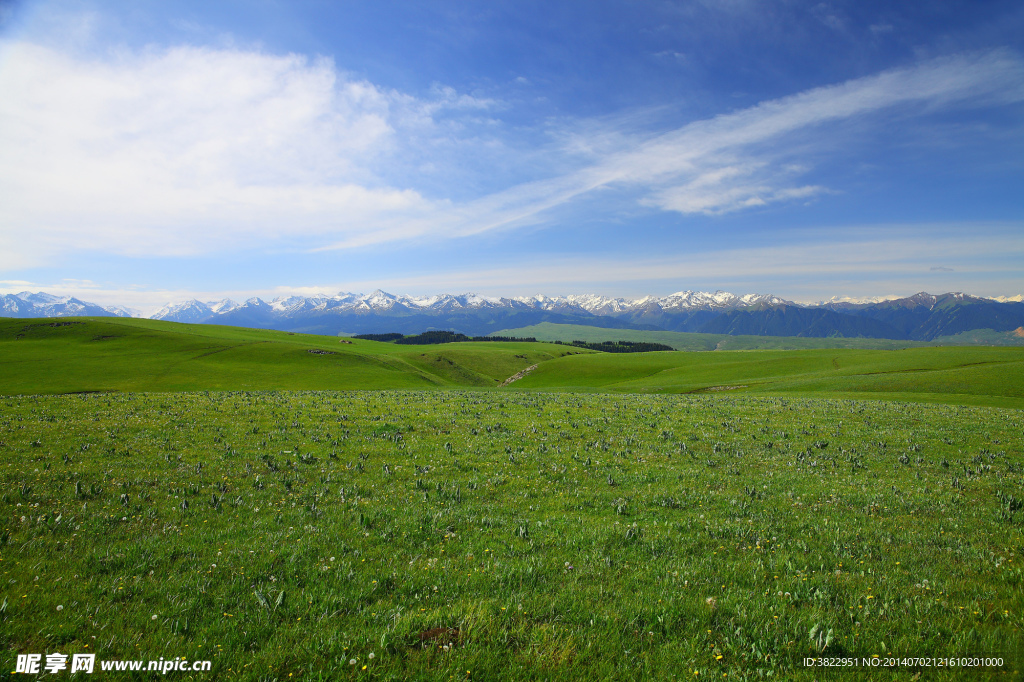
[(737, 160), (196, 150), (192, 150), (731, 188), (742, 159)]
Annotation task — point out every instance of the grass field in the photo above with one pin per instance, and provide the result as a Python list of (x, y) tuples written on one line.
[(661, 515), (483, 535), (971, 375), (692, 341), (547, 331), (103, 354)]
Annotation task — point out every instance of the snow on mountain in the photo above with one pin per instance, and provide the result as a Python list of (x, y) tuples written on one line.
[(189, 311), (924, 299), (422, 301), (41, 304), (656, 310), (41, 298), (296, 304), (599, 305), (9, 308), (345, 299), (682, 300), (222, 306), (382, 301), (762, 299), (122, 311), (478, 300), (851, 300)]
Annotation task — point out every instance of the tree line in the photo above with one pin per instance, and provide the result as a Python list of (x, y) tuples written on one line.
[(434, 337), (621, 346)]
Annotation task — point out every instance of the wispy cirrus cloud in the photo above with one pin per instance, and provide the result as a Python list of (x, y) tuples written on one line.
[(735, 160), (192, 150), (742, 159)]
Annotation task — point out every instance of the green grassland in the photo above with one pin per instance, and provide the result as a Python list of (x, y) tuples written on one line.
[(548, 331), (225, 494), (510, 535), (970, 375), (983, 337), (105, 354)]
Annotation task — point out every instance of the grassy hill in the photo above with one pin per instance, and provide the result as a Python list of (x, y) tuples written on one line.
[(567, 527), (103, 354), (548, 331), (981, 376), (983, 337)]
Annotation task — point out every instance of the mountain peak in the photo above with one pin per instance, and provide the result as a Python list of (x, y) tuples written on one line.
[(474, 314)]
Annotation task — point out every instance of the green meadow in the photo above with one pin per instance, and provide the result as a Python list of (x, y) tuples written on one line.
[(695, 341), (104, 354), (967, 375), (382, 512), (548, 331)]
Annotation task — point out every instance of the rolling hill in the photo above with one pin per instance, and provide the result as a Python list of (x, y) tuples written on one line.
[(76, 355), (114, 354), (696, 341)]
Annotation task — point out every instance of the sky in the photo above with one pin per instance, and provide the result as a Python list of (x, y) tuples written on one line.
[(154, 152)]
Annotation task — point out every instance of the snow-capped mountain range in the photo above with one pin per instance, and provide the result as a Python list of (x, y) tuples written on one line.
[(919, 316), (27, 304), (469, 313), (42, 304), (193, 310), (381, 301)]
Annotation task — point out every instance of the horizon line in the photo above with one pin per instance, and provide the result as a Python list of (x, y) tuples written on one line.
[(149, 311)]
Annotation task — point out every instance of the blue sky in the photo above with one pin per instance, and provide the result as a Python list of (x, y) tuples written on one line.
[(154, 151)]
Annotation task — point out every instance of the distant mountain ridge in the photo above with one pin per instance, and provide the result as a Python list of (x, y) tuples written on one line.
[(26, 304), (922, 316), (469, 313)]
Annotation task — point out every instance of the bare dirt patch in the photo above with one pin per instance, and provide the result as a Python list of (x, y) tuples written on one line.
[(440, 637), (517, 376)]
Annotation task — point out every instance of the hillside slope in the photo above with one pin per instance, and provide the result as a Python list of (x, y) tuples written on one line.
[(120, 354), (695, 341), (969, 375), (123, 354)]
